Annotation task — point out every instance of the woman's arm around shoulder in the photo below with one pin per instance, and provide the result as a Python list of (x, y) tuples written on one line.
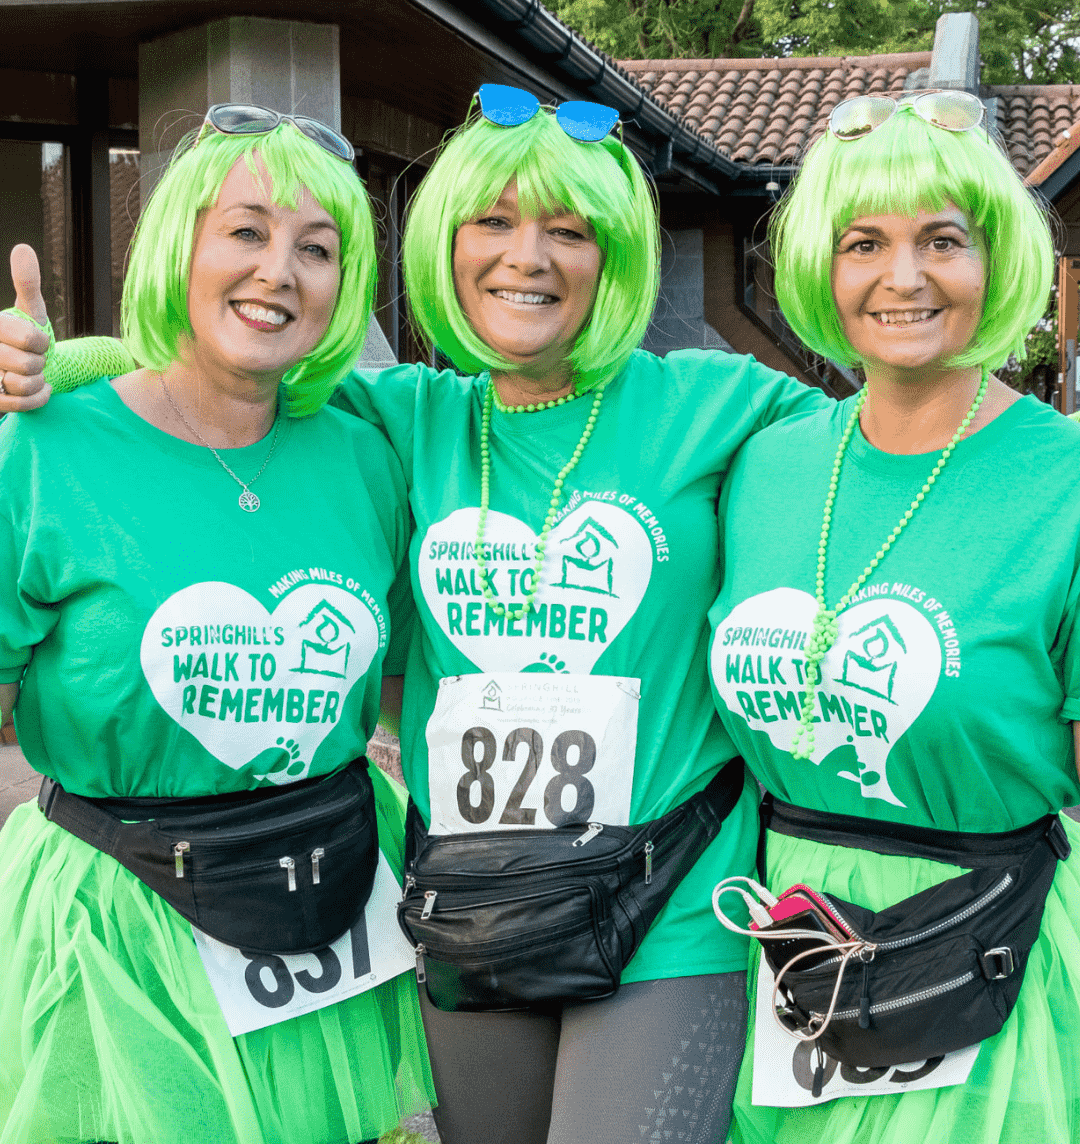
[(730, 384), (394, 399)]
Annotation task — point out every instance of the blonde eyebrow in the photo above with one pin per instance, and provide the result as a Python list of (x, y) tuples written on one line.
[(261, 209)]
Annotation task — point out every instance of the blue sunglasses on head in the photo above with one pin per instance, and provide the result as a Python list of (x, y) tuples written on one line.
[(511, 107)]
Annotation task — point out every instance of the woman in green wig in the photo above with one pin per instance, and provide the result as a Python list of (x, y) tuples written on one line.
[(563, 487), (159, 631), (936, 697)]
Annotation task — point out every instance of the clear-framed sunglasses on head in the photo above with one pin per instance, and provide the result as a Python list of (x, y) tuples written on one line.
[(511, 107), (250, 119), (950, 110)]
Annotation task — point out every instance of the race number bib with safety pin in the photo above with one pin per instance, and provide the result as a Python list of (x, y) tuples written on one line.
[(784, 1067), (512, 750), (255, 989)]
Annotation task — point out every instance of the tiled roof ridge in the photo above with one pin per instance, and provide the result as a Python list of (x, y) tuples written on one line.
[(1062, 89), (912, 60), (1066, 146)]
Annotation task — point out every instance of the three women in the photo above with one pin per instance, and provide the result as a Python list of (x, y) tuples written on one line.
[(563, 495)]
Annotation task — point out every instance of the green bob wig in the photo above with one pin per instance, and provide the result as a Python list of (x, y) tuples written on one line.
[(600, 181), (154, 308), (904, 166)]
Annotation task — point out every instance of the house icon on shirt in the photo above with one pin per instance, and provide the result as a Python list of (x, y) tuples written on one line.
[(491, 697), (592, 569), (326, 651), (874, 670)]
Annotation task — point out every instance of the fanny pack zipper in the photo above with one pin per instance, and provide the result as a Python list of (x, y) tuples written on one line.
[(968, 911), (902, 1002), (463, 880), (500, 947)]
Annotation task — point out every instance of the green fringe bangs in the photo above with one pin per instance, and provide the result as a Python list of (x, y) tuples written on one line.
[(601, 182), (905, 166), (154, 313)]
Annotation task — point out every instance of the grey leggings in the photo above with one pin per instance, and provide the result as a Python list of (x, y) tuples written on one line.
[(657, 1057)]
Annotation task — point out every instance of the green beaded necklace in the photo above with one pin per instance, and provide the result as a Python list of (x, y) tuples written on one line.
[(534, 407), (491, 398), (824, 631)]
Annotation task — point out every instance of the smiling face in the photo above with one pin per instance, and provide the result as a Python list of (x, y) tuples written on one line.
[(527, 284), (263, 281), (909, 291)]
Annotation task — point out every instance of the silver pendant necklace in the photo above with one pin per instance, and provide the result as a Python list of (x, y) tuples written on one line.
[(248, 501)]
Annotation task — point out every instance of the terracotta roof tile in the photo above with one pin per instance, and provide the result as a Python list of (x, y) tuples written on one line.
[(1067, 146), (767, 111), (1031, 121)]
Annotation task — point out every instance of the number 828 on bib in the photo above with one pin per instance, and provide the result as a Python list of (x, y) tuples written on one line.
[(513, 750)]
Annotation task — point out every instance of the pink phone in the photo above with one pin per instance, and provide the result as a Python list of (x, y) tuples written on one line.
[(788, 906)]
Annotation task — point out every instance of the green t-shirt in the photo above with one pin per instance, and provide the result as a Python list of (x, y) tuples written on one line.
[(173, 644), (630, 571), (948, 695)]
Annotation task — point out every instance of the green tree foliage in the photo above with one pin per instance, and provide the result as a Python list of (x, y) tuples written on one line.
[(1022, 41), (667, 29)]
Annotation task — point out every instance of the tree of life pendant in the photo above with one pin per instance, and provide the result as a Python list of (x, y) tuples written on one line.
[(249, 502)]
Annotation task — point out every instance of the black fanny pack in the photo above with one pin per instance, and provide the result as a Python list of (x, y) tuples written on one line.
[(276, 870), (527, 918), (940, 970)]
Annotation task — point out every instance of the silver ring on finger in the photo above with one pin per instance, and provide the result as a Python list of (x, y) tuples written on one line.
[(3, 388)]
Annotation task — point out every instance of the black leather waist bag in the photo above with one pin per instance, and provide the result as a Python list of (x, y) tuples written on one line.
[(530, 918), (275, 870)]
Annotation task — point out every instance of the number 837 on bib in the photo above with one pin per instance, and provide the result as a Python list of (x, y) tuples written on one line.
[(513, 750)]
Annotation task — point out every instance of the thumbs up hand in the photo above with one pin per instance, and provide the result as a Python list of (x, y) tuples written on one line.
[(23, 345)]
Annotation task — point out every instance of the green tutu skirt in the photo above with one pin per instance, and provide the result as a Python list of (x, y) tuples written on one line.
[(1025, 1085), (110, 1031)]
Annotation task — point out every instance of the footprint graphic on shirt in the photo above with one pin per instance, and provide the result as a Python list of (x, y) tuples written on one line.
[(549, 662), (282, 759)]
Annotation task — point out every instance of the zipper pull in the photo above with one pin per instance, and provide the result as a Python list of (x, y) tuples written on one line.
[(648, 862), (429, 904), (590, 834), (864, 1001), (410, 882), (421, 973), (819, 1073), (289, 864), (316, 854), (178, 853)]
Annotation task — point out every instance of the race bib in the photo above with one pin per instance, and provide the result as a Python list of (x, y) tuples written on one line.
[(255, 989), (511, 750), (784, 1067)]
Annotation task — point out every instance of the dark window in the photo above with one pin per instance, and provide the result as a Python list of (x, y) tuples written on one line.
[(123, 215), (37, 211)]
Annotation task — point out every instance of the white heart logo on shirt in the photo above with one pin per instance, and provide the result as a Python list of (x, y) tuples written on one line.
[(597, 567), (875, 679), (258, 689)]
